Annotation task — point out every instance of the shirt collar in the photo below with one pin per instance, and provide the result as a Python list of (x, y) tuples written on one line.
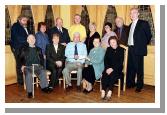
[(135, 21)]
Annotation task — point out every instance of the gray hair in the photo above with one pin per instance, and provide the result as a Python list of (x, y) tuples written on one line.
[(76, 33)]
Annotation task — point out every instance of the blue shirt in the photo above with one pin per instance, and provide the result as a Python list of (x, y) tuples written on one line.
[(82, 52), (42, 41)]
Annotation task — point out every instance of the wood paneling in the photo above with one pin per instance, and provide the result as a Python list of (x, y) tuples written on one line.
[(10, 67)]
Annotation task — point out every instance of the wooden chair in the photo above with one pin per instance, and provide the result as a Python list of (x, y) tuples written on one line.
[(36, 81), (64, 81), (124, 72)]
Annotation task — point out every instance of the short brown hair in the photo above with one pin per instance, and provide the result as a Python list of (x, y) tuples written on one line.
[(22, 16), (56, 35), (113, 38), (41, 24)]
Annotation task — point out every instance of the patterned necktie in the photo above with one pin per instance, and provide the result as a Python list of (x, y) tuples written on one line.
[(76, 50), (60, 31)]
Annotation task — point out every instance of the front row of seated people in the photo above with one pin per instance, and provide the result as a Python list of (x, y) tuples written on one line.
[(101, 64)]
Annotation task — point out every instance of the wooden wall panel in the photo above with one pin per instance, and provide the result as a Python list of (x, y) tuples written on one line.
[(10, 66)]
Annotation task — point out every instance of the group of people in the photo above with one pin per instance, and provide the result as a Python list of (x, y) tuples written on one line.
[(61, 51)]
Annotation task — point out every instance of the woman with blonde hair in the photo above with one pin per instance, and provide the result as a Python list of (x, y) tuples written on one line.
[(91, 35)]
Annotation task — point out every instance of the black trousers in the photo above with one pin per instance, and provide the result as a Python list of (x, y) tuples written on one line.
[(135, 67), (19, 73), (108, 81), (56, 72)]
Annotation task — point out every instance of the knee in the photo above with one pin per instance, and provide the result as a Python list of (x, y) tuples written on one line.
[(65, 70), (79, 69)]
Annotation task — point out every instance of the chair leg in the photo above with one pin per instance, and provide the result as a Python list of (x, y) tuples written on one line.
[(64, 83), (59, 81), (37, 81), (124, 87), (100, 85), (119, 87), (24, 82)]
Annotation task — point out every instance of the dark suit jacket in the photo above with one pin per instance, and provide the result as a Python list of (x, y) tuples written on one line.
[(52, 56), (18, 36), (124, 34), (64, 37), (142, 36)]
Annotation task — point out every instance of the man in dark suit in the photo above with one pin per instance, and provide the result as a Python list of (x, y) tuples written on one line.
[(59, 29), (139, 38), (55, 58), (19, 33), (121, 30)]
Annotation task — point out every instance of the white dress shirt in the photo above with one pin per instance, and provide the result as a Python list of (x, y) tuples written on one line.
[(56, 47), (132, 28), (60, 29), (26, 30)]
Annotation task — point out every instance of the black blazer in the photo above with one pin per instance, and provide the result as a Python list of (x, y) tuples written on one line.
[(18, 36), (52, 56), (64, 37), (25, 52), (124, 34), (142, 36), (89, 40), (114, 59)]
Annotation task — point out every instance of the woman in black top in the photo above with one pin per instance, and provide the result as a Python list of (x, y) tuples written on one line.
[(113, 62), (90, 36)]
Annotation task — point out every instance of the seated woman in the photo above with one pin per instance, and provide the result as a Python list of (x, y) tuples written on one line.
[(113, 62), (94, 66)]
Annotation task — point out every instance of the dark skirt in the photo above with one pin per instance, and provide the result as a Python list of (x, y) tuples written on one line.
[(88, 74)]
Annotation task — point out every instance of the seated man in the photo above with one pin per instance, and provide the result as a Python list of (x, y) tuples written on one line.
[(55, 59), (76, 53), (33, 55)]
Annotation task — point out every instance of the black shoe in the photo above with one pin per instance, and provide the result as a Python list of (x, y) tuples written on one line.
[(50, 89), (137, 90), (29, 95), (79, 88), (46, 90), (85, 91), (70, 87)]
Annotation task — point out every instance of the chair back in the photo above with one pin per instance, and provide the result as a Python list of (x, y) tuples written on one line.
[(125, 63)]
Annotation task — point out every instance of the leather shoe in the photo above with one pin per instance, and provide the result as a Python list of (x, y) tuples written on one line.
[(85, 91), (46, 90), (137, 90), (29, 95)]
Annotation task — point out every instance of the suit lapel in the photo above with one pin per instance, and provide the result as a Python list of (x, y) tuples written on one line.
[(53, 48), (137, 26)]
